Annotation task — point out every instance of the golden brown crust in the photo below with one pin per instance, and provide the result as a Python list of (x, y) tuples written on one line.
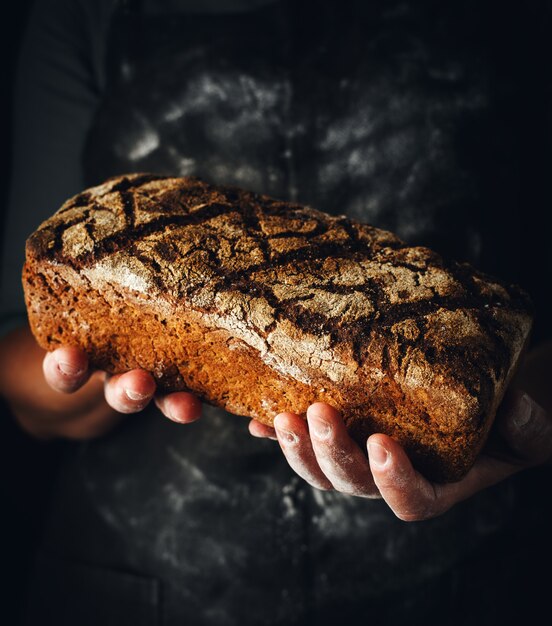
[(262, 306)]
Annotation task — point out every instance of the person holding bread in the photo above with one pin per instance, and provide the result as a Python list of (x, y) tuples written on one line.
[(400, 124)]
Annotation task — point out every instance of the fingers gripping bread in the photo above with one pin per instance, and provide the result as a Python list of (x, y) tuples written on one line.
[(262, 306)]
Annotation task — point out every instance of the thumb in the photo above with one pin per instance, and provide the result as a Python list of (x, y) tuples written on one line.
[(526, 428)]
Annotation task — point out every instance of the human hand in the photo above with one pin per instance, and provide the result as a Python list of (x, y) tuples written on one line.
[(90, 402), (321, 451)]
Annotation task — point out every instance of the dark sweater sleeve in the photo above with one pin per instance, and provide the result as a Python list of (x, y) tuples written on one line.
[(58, 87)]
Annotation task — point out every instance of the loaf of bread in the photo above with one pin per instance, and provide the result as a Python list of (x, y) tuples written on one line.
[(261, 306)]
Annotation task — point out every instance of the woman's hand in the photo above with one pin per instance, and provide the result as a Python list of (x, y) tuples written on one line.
[(57, 394), (321, 451)]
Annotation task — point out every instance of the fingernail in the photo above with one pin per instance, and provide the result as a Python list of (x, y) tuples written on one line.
[(319, 428), (287, 435), (523, 415), (68, 369), (378, 454), (170, 415), (135, 396)]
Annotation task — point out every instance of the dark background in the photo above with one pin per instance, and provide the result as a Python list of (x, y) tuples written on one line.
[(28, 467), (12, 31)]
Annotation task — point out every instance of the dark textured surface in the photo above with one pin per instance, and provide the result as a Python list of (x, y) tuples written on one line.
[(236, 537), (273, 101)]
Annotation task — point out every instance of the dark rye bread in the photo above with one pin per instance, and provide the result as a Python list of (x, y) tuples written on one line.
[(262, 306)]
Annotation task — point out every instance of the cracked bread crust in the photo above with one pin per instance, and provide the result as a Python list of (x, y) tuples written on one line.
[(261, 306)]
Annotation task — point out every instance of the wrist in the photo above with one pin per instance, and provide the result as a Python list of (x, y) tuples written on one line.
[(40, 410)]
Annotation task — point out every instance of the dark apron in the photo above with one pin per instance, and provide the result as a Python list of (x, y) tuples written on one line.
[(359, 108)]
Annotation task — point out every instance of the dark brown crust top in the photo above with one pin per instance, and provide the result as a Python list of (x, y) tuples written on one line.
[(327, 275), (320, 297)]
